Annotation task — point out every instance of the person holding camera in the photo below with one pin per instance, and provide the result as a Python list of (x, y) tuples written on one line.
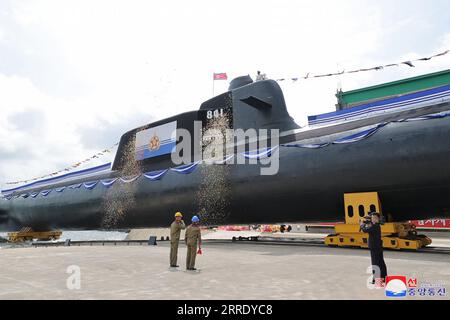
[(371, 225)]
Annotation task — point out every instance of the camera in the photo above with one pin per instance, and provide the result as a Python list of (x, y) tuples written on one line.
[(367, 219)]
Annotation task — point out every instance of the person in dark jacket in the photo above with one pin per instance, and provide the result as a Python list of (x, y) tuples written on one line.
[(373, 228)]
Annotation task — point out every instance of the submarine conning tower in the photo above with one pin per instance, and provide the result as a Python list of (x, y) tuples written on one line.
[(256, 105), (246, 104)]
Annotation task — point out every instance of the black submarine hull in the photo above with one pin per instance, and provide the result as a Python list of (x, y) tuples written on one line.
[(407, 163), (308, 187)]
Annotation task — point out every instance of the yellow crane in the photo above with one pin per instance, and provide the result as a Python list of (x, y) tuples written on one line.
[(395, 235), (27, 234)]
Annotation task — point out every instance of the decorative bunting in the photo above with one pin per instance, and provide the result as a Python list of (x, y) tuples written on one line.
[(224, 161), (259, 154), (155, 175), (90, 185), (377, 68), (60, 189), (306, 146), (409, 63), (108, 182), (129, 179), (430, 117), (186, 169), (360, 135), (46, 192)]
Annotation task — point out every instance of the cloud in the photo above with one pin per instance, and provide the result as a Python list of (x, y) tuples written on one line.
[(101, 134), (32, 120)]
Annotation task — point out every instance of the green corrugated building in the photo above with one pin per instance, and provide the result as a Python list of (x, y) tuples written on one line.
[(391, 89)]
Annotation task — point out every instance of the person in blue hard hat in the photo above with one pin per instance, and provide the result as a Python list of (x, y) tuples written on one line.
[(192, 237)]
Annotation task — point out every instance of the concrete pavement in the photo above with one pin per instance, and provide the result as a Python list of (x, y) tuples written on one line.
[(227, 271)]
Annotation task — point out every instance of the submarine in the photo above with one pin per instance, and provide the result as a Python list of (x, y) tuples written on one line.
[(398, 148)]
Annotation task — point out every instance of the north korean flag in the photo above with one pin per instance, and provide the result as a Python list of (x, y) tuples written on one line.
[(220, 76)]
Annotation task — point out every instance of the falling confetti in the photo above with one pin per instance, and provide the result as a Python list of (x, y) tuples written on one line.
[(213, 195), (120, 198)]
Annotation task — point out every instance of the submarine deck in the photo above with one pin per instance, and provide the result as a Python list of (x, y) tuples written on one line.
[(314, 132), (226, 271)]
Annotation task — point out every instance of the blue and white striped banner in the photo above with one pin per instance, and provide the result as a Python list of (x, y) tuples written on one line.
[(60, 189), (405, 102), (428, 117), (90, 185), (129, 179), (224, 161), (186, 169), (108, 182), (259, 154), (155, 175), (46, 192), (307, 146), (360, 135)]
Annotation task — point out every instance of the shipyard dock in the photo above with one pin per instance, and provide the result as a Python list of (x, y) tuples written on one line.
[(227, 270)]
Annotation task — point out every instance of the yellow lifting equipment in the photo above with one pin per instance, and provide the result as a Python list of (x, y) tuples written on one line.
[(395, 235), (27, 234)]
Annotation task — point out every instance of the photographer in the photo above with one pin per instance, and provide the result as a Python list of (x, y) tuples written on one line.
[(371, 225)]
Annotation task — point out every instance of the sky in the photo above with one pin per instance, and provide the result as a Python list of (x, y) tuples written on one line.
[(76, 75)]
